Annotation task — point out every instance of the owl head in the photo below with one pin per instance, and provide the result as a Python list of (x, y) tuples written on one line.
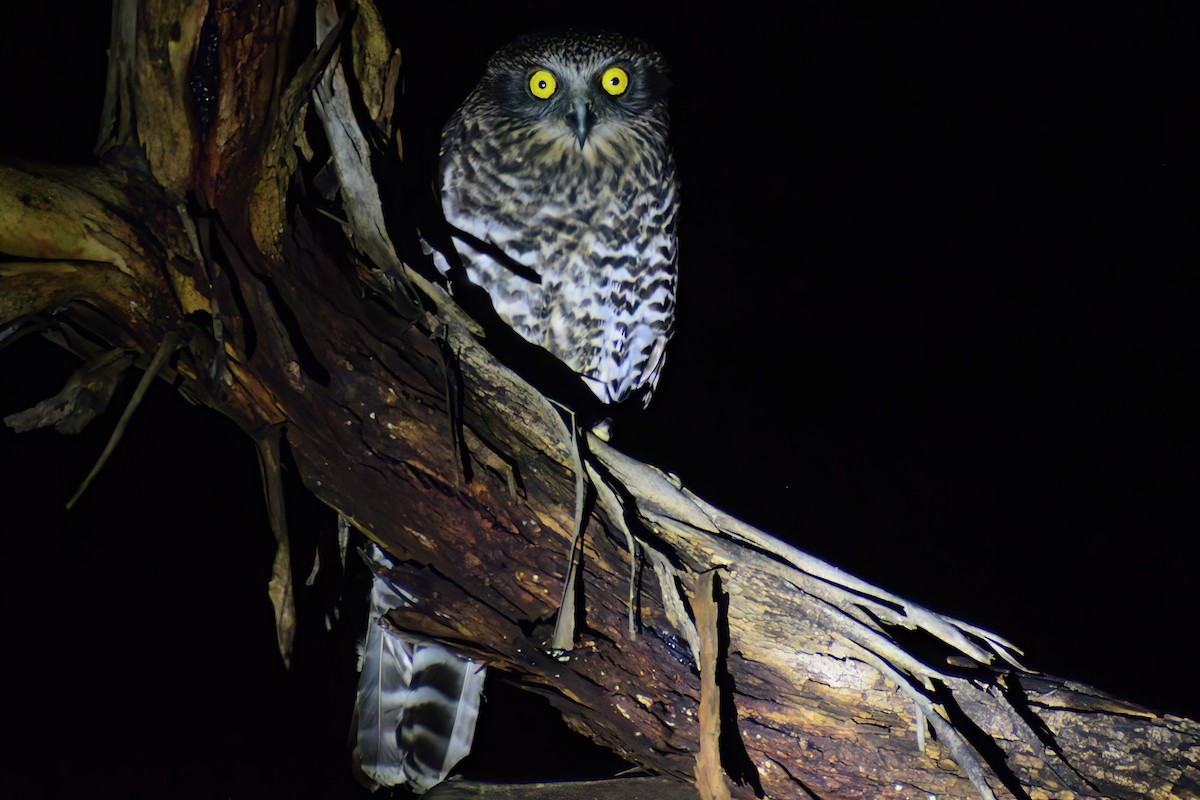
[(586, 90)]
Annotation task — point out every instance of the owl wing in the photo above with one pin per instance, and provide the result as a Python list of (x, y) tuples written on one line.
[(640, 305), (417, 702)]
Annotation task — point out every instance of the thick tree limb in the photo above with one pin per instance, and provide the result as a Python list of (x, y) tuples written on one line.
[(829, 681)]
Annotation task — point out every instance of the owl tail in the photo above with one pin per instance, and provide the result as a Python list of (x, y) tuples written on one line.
[(417, 703)]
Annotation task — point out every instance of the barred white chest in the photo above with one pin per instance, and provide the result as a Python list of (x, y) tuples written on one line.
[(605, 303)]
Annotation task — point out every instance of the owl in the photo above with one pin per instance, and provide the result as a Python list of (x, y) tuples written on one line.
[(558, 170)]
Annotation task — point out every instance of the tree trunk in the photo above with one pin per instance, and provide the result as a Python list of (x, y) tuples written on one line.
[(200, 247)]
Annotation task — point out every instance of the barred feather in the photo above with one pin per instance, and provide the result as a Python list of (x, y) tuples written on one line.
[(417, 703)]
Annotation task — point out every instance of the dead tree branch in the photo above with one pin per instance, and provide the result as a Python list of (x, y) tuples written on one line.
[(201, 226)]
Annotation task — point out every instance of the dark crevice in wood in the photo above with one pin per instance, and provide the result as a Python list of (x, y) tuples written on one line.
[(453, 384), (1012, 691), (223, 255), (306, 357), (675, 644), (804, 787), (734, 758), (985, 746)]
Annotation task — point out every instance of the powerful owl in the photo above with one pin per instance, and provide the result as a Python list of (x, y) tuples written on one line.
[(559, 161)]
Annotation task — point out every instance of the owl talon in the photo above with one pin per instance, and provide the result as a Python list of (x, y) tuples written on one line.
[(558, 654), (602, 430)]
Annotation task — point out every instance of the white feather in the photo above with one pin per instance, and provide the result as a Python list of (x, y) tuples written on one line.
[(410, 692), (386, 663)]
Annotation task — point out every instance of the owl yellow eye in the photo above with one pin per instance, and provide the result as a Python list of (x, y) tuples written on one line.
[(542, 84), (615, 81)]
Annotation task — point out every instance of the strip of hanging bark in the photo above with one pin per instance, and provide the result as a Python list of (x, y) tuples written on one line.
[(673, 603), (564, 626), (710, 777), (279, 588), (615, 511), (351, 155), (165, 349)]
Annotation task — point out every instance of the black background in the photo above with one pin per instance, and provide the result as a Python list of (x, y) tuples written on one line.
[(937, 324)]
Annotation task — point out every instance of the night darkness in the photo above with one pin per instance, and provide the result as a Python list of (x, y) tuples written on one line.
[(937, 325)]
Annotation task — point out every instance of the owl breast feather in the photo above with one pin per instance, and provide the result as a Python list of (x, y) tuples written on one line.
[(602, 240)]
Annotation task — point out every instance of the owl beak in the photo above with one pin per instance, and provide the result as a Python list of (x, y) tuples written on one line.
[(580, 120)]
